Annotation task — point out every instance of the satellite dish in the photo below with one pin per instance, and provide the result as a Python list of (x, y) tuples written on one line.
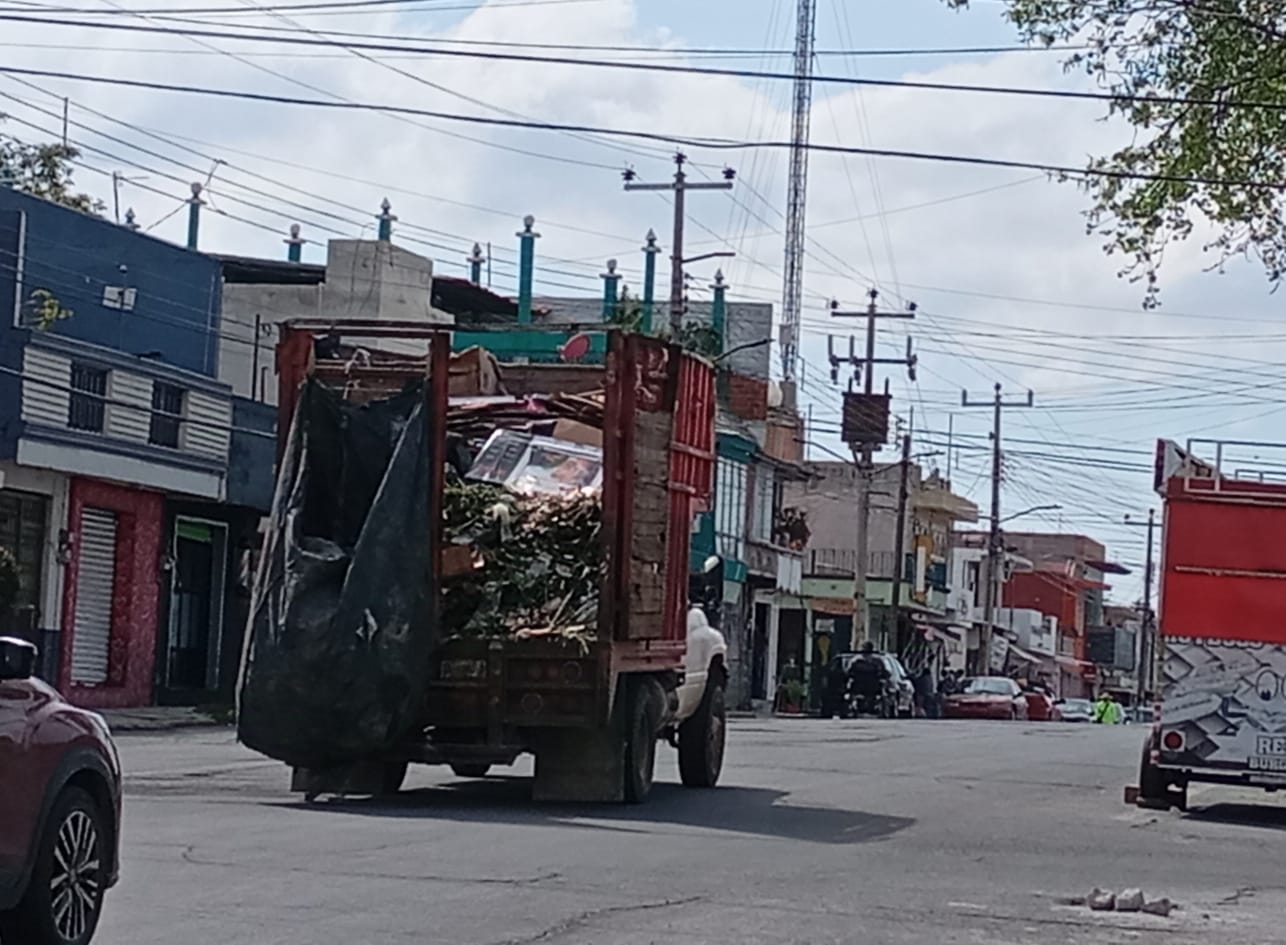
[(575, 348)]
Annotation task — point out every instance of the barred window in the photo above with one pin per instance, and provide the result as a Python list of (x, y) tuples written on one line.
[(167, 415), (88, 403)]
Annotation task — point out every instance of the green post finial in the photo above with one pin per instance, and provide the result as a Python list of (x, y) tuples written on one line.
[(294, 244), (194, 215), (475, 262), (611, 290), (526, 264), (719, 309), (649, 280), (386, 219)]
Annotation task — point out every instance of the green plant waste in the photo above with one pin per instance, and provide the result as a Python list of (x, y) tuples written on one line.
[(536, 563)]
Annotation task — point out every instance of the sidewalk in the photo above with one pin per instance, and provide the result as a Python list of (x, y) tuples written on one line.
[(164, 718)]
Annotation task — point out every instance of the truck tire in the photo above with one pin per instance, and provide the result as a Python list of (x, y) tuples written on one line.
[(394, 775), (1154, 788), (642, 719), (702, 739), (471, 769)]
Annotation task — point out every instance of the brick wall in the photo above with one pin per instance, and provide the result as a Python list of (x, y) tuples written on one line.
[(746, 397)]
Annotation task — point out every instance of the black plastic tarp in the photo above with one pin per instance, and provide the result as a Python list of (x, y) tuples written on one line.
[(338, 641)]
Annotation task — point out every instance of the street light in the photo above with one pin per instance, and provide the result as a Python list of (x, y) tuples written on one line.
[(1034, 508)]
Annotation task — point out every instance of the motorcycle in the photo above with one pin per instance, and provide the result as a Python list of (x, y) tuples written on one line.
[(880, 704)]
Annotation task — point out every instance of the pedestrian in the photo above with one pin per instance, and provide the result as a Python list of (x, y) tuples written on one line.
[(1106, 709), (924, 695)]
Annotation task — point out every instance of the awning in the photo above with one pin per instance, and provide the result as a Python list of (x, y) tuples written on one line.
[(835, 606), (1024, 656), (1073, 663), (947, 633)]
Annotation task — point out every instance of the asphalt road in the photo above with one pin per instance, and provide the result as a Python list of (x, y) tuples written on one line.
[(823, 831)]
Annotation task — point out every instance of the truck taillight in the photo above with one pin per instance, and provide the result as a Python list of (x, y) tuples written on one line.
[(1172, 741)]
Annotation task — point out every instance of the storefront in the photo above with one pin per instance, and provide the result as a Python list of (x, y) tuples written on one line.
[(33, 513), (205, 582), (109, 613)]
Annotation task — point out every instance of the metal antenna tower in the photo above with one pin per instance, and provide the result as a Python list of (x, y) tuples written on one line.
[(797, 189)]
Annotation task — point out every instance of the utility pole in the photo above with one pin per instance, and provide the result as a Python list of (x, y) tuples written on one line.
[(865, 429), (899, 543), (797, 188), (995, 547), (1147, 637), (680, 186)]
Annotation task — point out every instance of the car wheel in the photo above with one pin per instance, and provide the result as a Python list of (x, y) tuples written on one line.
[(471, 769), (65, 896), (702, 739)]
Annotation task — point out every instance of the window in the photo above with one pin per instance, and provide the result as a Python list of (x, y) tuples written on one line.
[(88, 398), (730, 508), (167, 415), (23, 518)]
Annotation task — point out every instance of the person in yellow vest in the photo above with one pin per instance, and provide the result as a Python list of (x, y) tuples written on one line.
[(1106, 710)]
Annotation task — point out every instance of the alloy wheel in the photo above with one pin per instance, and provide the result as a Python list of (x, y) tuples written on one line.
[(75, 884)]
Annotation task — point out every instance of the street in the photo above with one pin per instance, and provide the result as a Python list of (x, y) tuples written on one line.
[(824, 831)]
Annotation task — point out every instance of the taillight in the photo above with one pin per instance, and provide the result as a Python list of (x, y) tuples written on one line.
[(1172, 741)]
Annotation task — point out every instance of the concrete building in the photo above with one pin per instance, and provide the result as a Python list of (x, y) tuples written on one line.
[(1067, 581), (116, 456), (927, 634), (370, 279)]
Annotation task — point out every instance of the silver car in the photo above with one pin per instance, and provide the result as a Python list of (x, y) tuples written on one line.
[(1075, 710)]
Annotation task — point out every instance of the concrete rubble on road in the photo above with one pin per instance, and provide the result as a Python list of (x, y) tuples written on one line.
[(1131, 900), (1128, 900)]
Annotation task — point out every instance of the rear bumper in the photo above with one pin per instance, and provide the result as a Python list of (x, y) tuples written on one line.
[(975, 712)]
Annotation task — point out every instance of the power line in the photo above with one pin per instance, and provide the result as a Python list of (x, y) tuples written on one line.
[(418, 6), (660, 67)]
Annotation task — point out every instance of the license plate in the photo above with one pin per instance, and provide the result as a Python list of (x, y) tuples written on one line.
[(463, 670)]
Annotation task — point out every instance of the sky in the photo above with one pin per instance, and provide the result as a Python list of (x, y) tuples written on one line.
[(1008, 286)]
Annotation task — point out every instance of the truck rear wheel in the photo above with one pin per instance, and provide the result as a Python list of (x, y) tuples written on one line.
[(642, 719), (702, 739), (394, 775), (1154, 786)]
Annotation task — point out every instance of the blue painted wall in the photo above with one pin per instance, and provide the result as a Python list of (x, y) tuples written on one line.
[(75, 256), (11, 339)]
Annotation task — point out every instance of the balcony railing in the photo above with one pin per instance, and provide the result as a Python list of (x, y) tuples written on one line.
[(880, 565)]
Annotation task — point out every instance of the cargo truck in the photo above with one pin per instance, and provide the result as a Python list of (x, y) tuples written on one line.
[(1221, 650), (590, 713)]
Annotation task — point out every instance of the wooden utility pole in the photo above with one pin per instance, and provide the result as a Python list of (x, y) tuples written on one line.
[(865, 446), (995, 549), (1147, 634), (680, 186)]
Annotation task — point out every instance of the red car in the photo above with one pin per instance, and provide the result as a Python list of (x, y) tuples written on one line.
[(987, 697), (60, 780), (1040, 706)]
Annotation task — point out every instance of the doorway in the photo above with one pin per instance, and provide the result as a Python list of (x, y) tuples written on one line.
[(759, 653), (197, 579)]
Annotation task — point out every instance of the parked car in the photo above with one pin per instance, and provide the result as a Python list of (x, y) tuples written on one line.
[(1040, 706), (834, 686), (987, 697), (1075, 710), (1140, 715), (60, 778)]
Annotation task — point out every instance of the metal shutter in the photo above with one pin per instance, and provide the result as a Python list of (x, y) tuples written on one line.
[(95, 582)]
